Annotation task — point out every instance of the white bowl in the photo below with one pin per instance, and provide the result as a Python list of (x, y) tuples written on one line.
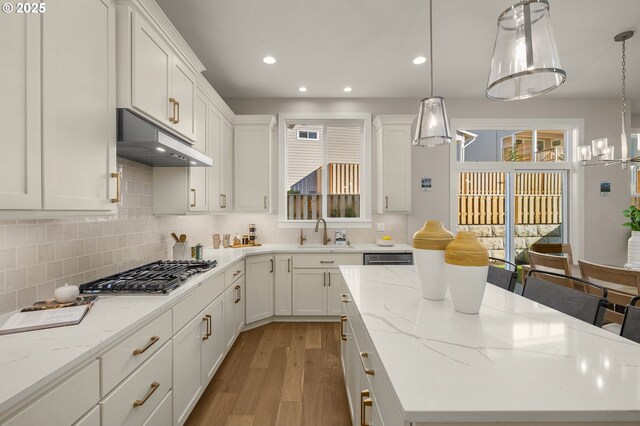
[(384, 243)]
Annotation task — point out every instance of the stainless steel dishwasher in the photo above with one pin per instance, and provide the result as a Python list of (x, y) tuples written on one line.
[(388, 259)]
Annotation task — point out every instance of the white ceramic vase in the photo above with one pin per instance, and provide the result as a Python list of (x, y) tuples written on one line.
[(430, 267), (466, 286), (633, 249)]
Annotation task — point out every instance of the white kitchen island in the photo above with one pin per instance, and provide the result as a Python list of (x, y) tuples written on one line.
[(516, 362)]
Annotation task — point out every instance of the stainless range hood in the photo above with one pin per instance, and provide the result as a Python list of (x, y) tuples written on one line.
[(142, 141)]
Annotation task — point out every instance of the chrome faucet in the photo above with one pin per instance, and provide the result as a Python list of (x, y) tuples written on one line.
[(325, 239)]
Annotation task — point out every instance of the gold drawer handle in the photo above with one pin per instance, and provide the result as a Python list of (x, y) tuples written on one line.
[(343, 319), (172, 119), (140, 402), (118, 179), (368, 371), (327, 261), (152, 341), (238, 289), (237, 272), (207, 319), (345, 298), (194, 197), (365, 401)]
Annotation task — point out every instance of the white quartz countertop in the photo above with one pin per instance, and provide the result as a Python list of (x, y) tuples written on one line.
[(29, 361), (515, 361)]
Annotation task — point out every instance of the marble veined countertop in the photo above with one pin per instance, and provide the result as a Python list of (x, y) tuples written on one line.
[(515, 361), (32, 360)]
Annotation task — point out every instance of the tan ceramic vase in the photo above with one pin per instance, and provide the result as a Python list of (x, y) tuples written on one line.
[(467, 264), (428, 254)]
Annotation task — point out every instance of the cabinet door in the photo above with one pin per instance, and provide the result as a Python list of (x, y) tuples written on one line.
[(251, 167), (239, 309), (187, 367), (283, 285), (230, 297), (259, 284), (335, 288), (309, 291), (395, 156), (214, 348), (226, 167), (151, 65), (183, 89), (78, 92), (215, 127), (198, 197), (20, 162), (348, 354)]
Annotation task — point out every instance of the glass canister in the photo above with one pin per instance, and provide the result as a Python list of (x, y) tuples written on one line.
[(252, 233)]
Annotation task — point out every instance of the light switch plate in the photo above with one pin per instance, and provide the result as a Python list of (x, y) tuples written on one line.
[(380, 227)]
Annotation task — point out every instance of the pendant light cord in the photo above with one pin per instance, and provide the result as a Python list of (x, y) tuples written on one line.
[(624, 77), (431, 42)]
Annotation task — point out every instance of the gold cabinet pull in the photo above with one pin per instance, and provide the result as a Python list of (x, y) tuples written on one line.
[(194, 197), (140, 402), (289, 265), (172, 119), (368, 371), (223, 201), (329, 275), (327, 261), (118, 178), (343, 319), (386, 205), (206, 319), (324, 279), (265, 202), (178, 114), (152, 341), (271, 260), (365, 401), (238, 293), (237, 272), (345, 298)]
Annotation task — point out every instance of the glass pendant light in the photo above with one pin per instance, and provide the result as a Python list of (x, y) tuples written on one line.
[(525, 57), (432, 128)]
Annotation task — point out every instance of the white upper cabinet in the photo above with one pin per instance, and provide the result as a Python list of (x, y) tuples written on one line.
[(78, 105), (253, 150), (198, 197), (225, 199), (156, 74), (20, 162), (393, 161)]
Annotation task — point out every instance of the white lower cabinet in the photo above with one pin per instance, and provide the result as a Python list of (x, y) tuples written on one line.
[(233, 311), (197, 353), (162, 415), (92, 418), (259, 294), (309, 291), (282, 286), (135, 399)]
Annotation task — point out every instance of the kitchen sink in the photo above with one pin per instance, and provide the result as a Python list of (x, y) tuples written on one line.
[(328, 246)]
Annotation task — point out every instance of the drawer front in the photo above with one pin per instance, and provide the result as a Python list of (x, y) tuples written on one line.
[(328, 260), (64, 404), (133, 401), (380, 387), (184, 311), (162, 415), (92, 418), (234, 272), (120, 361)]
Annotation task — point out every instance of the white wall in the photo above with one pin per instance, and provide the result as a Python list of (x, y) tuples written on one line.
[(605, 239)]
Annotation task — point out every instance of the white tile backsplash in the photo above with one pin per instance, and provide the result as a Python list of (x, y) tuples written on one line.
[(36, 256)]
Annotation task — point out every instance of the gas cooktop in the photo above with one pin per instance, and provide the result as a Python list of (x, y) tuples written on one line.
[(159, 277)]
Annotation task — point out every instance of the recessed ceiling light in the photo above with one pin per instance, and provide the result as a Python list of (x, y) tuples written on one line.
[(419, 60), (302, 89), (269, 60), (161, 149), (347, 89)]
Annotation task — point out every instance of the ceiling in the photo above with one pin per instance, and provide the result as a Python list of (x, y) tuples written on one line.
[(369, 45)]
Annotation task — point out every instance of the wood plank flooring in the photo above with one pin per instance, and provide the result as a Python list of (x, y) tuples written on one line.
[(278, 374)]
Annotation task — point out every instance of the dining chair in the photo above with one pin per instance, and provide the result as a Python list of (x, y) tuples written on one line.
[(553, 249), (558, 264), (631, 324), (502, 277), (582, 305), (626, 282)]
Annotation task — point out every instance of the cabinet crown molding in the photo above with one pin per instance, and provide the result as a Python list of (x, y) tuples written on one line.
[(393, 119), (256, 119)]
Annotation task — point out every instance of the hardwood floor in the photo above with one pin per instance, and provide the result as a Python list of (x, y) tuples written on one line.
[(278, 374)]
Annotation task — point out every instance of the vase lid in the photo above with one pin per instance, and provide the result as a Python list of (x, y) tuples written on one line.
[(432, 236), (466, 250)]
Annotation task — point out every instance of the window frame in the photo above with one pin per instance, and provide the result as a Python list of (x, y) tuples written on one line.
[(317, 138), (574, 182), (365, 119)]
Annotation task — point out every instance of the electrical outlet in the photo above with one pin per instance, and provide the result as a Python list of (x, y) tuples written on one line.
[(380, 227)]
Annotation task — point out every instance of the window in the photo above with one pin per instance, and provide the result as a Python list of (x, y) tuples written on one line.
[(514, 185), (308, 135), (323, 168)]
